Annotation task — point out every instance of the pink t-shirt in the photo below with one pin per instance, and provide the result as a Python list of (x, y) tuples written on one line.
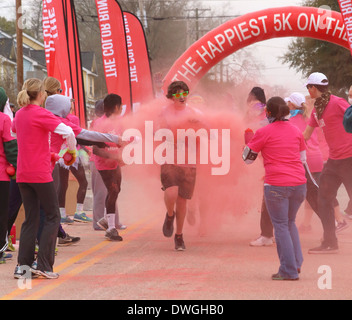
[(280, 144), (74, 119), (32, 125), (57, 140), (314, 155), (338, 140), (5, 133), (106, 125)]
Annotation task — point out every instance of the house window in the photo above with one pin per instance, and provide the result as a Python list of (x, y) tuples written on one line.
[(91, 87)]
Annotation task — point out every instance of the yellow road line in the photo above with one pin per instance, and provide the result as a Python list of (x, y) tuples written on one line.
[(75, 259), (84, 266), (58, 282), (61, 267)]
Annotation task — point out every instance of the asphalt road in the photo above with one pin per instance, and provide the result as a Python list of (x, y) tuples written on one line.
[(217, 265)]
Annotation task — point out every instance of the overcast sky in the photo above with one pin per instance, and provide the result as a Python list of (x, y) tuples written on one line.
[(268, 52)]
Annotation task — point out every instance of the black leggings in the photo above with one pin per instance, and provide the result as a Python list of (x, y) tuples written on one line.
[(35, 195), (80, 175), (112, 181)]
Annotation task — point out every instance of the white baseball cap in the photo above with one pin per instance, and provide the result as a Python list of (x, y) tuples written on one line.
[(318, 79), (297, 99)]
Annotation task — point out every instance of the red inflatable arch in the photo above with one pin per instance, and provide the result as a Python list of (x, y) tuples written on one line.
[(255, 27)]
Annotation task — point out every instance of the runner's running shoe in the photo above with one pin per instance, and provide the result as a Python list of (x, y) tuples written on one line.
[(324, 249), (341, 226), (113, 235), (21, 272), (45, 274), (262, 242), (179, 243), (102, 223), (168, 226), (10, 246), (121, 226), (66, 220), (81, 217), (278, 276), (68, 240), (347, 214)]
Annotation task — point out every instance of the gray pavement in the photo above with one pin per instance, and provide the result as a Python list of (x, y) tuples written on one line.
[(217, 265)]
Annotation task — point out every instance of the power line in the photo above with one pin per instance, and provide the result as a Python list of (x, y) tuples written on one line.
[(165, 18)]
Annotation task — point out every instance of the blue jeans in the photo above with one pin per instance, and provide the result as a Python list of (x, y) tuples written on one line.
[(283, 204)]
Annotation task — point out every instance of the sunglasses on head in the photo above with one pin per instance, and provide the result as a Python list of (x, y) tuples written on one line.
[(180, 94)]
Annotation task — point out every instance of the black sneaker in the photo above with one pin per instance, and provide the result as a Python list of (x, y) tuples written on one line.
[(323, 249), (74, 239), (179, 243), (168, 226), (68, 240), (113, 235)]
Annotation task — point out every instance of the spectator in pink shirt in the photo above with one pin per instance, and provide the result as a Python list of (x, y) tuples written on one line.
[(315, 162), (32, 126), (283, 150), (8, 155), (328, 114)]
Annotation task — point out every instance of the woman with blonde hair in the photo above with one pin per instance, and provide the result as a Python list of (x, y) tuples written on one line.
[(51, 86), (32, 126)]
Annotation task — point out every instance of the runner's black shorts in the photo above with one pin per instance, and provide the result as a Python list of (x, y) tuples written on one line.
[(182, 177)]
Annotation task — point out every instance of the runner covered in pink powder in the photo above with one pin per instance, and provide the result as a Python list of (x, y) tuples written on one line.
[(178, 179)]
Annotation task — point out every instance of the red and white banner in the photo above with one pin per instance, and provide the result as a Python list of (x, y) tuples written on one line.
[(62, 51), (114, 50), (250, 28), (346, 12), (140, 72)]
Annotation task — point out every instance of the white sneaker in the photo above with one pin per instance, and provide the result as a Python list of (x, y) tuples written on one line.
[(45, 274), (261, 242)]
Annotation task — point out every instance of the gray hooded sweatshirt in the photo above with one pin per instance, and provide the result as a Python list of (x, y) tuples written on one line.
[(60, 106)]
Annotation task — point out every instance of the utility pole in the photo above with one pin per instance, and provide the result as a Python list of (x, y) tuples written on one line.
[(143, 17), (19, 41), (197, 24), (197, 11)]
